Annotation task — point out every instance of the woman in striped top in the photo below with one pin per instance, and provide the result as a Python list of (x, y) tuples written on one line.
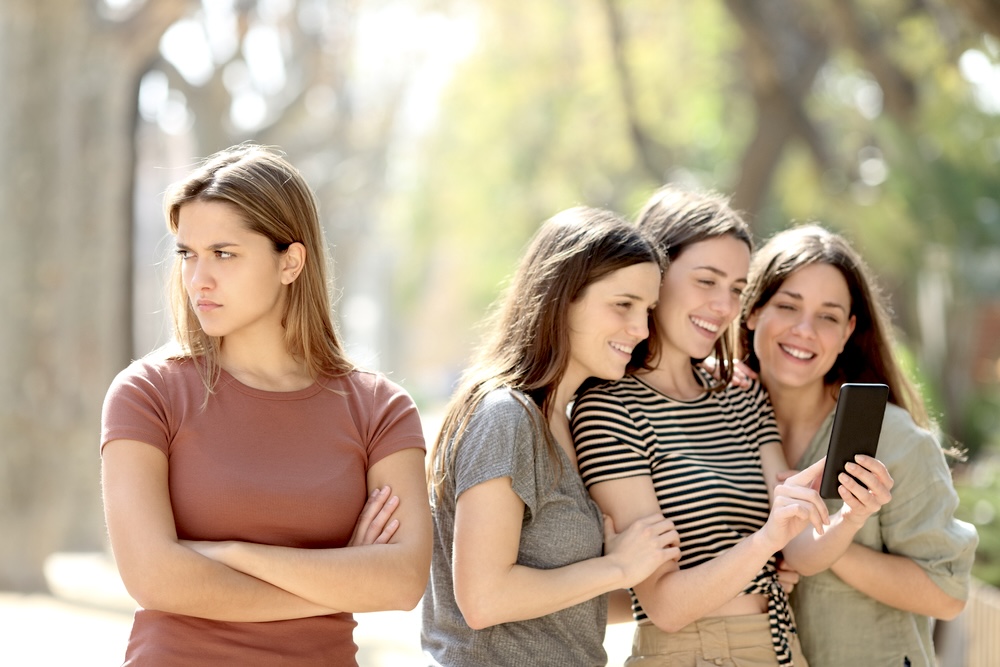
[(674, 438)]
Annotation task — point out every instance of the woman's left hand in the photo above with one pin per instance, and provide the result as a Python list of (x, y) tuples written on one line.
[(787, 577), (860, 502)]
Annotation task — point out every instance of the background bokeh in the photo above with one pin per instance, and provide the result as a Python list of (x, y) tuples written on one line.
[(437, 135)]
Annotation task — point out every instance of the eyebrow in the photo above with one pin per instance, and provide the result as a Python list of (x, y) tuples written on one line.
[(826, 304), (718, 272), (215, 246)]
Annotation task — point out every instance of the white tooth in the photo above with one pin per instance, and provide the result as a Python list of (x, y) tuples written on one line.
[(705, 325), (798, 354)]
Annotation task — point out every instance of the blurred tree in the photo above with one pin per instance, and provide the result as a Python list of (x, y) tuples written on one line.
[(71, 73), (100, 83), (880, 119)]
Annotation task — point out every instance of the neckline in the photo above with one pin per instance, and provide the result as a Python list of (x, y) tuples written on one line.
[(699, 374), (296, 394)]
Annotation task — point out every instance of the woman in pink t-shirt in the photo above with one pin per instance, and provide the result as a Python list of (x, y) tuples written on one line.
[(249, 468)]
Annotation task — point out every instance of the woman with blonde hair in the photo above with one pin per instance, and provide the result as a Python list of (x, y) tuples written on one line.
[(249, 468), (521, 562)]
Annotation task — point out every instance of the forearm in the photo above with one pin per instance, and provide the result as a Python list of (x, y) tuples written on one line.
[(675, 599), (895, 581), (376, 577), (177, 580), (810, 553), (522, 593)]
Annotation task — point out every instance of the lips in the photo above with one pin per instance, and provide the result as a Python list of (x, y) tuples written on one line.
[(204, 305), (797, 352), (623, 349), (707, 325)]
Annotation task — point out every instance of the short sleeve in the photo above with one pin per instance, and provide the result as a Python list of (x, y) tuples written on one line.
[(920, 522), (395, 422), (608, 443), (136, 408), (498, 442)]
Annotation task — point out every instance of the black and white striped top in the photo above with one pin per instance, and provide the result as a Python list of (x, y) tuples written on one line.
[(702, 455)]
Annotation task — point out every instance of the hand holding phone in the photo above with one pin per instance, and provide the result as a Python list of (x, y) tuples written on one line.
[(857, 425)]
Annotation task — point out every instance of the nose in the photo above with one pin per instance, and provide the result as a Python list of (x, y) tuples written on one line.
[(804, 327), (197, 275), (725, 305), (639, 326)]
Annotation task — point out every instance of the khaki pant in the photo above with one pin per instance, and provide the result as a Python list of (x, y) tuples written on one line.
[(725, 641)]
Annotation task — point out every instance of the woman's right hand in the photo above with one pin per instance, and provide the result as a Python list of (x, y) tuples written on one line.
[(797, 504), (374, 526), (642, 548)]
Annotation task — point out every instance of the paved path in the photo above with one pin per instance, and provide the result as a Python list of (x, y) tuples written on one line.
[(86, 622)]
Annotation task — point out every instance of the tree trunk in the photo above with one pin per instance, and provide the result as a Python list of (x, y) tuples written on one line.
[(66, 126)]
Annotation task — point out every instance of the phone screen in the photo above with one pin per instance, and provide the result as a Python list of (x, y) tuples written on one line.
[(857, 425)]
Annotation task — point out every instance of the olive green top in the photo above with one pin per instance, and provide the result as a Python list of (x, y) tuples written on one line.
[(838, 625)]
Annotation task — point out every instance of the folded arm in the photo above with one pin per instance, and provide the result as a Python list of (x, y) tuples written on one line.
[(156, 569), (373, 577)]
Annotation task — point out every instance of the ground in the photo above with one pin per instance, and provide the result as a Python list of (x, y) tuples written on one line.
[(85, 622)]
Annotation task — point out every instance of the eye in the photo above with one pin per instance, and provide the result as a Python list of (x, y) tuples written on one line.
[(184, 254), (706, 282), (222, 254), (738, 291), (784, 306)]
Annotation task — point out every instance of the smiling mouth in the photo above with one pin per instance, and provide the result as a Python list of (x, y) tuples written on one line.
[(797, 353), (705, 324), (621, 348)]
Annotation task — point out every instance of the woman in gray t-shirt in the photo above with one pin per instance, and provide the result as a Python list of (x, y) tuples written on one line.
[(517, 574)]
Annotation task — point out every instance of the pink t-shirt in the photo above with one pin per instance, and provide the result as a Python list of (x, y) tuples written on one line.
[(282, 468)]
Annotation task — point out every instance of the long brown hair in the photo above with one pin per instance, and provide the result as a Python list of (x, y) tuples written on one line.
[(526, 348), (273, 200), (869, 354), (675, 219)]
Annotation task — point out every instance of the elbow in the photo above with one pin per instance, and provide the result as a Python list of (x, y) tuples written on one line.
[(950, 609), (664, 618), (406, 591), (476, 611), (478, 606)]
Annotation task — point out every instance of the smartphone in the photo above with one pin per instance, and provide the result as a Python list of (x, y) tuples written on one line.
[(857, 425)]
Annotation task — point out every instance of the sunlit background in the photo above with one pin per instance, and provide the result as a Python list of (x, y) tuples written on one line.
[(437, 135)]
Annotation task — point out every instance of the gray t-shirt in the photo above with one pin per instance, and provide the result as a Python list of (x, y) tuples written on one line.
[(561, 525)]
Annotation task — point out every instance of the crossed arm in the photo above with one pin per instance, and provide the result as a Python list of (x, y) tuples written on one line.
[(240, 581)]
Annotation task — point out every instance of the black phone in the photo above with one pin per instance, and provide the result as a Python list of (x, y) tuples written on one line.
[(857, 425)]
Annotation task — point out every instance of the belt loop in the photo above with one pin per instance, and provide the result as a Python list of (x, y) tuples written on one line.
[(714, 639)]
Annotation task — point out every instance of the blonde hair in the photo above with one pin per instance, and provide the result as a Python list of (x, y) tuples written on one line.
[(273, 200)]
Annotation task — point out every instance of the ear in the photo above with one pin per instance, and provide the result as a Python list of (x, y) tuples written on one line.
[(851, 323), (293, 260), (751, 322)]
